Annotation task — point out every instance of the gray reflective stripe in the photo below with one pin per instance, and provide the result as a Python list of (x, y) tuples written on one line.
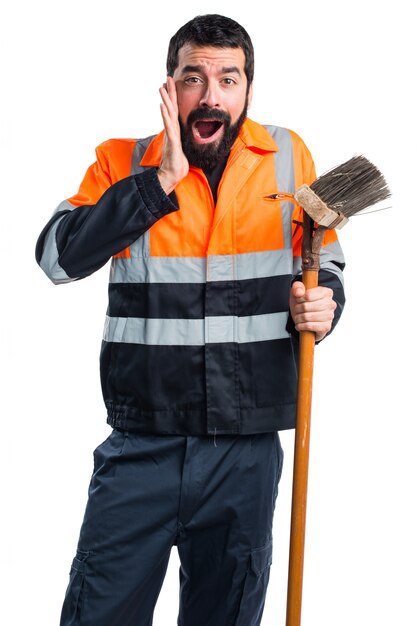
[(228, 328), (157, 332), (196, 332), (140, 249), (285, 175), (141, 246), (156, 269), (49, 261), (283, 158), (330, 255), (297, 265), (64, 206), (195, 269), (249, 265), (138, 153)]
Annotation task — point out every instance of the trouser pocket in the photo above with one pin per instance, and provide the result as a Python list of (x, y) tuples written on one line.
[(255, 586), (71, 610)]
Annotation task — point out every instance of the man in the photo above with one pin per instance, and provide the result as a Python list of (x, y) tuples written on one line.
[(198, 358)]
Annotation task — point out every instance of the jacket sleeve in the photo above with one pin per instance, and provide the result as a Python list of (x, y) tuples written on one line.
[(101, 220), (331, 259)]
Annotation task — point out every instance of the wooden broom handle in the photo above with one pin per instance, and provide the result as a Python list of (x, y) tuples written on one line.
[(300, 467)]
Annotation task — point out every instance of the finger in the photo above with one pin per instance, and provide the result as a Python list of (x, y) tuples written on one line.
[(320, 329), (166, 117), (298, 290), (169, 118), (314, 326), (320, 334), (170, 84), (172, 92), (171, 139), (166, 98), (318, 293), (315, 317), (315, 306)]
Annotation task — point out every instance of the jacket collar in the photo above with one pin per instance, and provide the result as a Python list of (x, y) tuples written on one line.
[(253, 135)]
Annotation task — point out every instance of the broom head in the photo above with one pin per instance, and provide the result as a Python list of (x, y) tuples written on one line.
[(342, 192)]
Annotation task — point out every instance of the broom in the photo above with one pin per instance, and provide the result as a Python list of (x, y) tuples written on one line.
[(327, 203)]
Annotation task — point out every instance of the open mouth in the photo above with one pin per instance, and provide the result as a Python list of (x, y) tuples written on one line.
[(207, 130)]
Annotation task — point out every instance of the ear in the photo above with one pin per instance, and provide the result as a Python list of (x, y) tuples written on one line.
[(250, 95)]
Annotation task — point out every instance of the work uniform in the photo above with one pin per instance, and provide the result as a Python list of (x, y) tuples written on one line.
[(198, 348)]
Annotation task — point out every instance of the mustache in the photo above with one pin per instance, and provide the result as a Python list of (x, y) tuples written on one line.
[(201, 113)]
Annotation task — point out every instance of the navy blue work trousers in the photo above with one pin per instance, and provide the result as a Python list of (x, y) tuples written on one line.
[(212, 498)]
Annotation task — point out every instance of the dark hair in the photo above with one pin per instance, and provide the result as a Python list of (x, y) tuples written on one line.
[(212, 30)]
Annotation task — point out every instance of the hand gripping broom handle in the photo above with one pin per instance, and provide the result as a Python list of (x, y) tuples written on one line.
[(310, 264)]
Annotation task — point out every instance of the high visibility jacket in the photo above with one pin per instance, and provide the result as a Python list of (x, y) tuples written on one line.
[(198, 338)]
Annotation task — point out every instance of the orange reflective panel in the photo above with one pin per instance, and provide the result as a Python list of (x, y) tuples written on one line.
[(185, 232)]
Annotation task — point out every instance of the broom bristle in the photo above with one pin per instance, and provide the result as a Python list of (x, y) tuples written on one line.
[(352, 186)]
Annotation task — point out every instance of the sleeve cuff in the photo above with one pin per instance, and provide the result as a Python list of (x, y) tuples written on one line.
[(154, 196)]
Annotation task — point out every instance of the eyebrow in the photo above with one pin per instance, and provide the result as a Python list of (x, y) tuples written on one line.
[(231, 69)]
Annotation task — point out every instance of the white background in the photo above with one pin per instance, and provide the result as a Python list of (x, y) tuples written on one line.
[(341, 75)]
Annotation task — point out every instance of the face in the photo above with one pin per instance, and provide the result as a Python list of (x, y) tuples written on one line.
[(212, 100)]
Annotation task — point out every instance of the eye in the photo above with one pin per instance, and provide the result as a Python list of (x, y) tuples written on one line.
[(193, 80), (228, 81)]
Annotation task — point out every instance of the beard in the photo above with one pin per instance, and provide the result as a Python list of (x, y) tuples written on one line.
[(207, 156)]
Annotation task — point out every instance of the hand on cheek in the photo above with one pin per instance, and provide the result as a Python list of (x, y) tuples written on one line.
[(174, 165)]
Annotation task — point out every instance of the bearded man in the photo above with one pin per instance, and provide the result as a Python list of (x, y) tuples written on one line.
[(198, 357)]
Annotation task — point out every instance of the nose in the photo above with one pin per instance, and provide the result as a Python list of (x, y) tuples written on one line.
[(210, 96)]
